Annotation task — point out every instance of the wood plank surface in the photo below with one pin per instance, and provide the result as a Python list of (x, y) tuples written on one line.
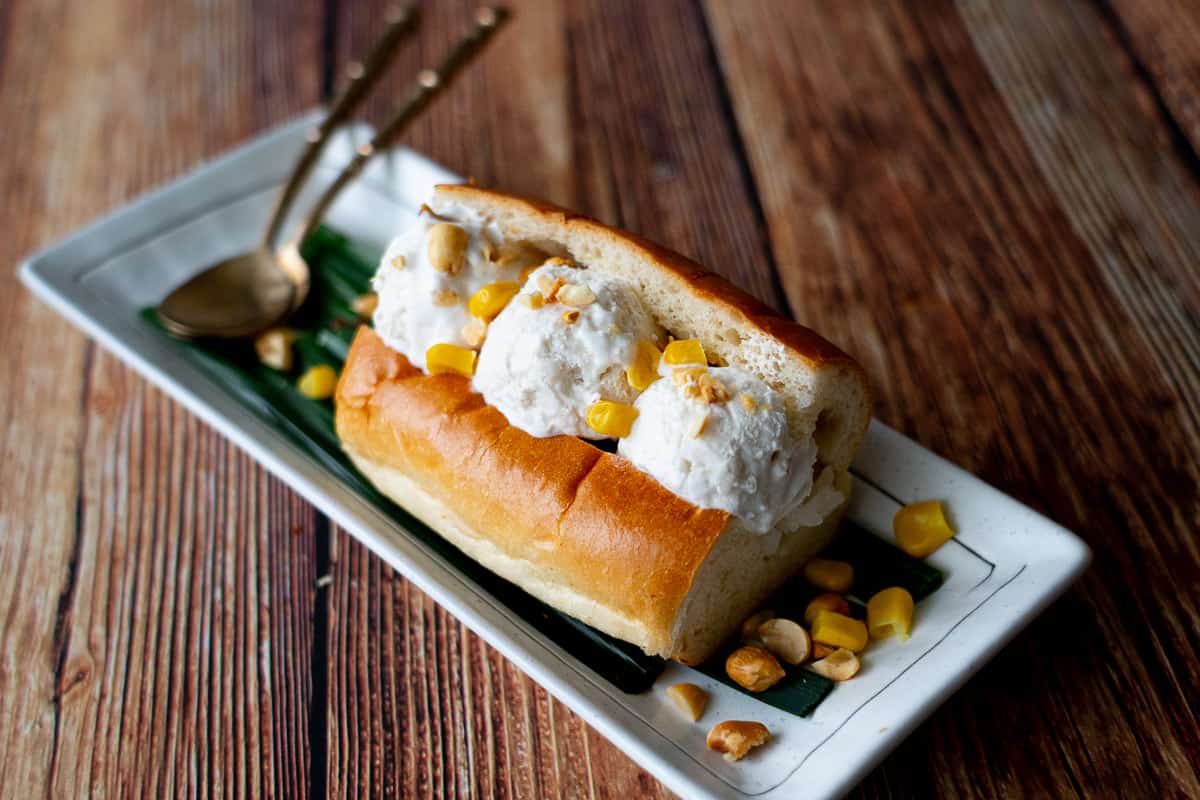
[(156, 612), (994, 204), (1006, 216)]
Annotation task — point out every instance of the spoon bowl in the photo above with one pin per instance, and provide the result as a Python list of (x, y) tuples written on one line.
[(238, 297)]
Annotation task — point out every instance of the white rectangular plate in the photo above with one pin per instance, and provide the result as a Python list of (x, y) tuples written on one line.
[(1006, 564)]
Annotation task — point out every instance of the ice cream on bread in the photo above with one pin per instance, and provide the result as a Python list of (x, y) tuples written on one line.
[(731, 468)]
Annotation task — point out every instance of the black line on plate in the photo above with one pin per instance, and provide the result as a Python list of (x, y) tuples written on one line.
[(991, 564)]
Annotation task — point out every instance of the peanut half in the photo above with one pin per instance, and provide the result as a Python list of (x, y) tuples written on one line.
[(446, 247), (736, 737), (840, 665), (753, 668), (690, 699), (786, 639)]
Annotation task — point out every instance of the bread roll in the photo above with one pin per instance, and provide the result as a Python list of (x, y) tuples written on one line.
[(579, 528)]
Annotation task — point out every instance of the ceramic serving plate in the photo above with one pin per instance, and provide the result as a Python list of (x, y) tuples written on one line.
[(1006, 564)]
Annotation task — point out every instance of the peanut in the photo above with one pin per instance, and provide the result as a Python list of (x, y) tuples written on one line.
[(735, 738), (753, 668)]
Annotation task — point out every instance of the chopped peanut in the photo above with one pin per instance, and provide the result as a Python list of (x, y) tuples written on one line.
[(446, 246), (318, 383), (747, 401), (837, 629), (685, 351), (828, 602), (365, 304), (832, 576), (696, 430), (922, 528), (448, 358), (735, 738), (753, 668), (549, 287), (753, 622), (445, 298), (474, 332), (490, 251), (685, 375), (570, 316), (532, 300), (690, 699), (610, 418), (399, 262), (644, 369), (577, 295), (491, 299), (699, 384), (890, 612), (274, 348), (558, 261), (786, 639), (840, 665)]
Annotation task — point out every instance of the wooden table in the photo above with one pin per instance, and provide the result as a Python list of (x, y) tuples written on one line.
[(995, 205)]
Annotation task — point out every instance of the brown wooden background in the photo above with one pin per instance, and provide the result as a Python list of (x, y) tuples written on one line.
[(994, 204)]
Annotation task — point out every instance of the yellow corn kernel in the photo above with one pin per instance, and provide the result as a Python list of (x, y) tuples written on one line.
[(922, 528), (644, 369), (832, 576), (889, 612), (839, 630), (825, 602), (491, 299), (318, 382), (610, 418), (450, 358), (685, 351)]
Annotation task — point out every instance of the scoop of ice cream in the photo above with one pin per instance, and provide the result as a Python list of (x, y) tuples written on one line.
[(718, 437), (562, 344), (429, 273)]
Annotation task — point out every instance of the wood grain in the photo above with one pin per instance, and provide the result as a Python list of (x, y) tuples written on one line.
[(977, 204), (156, 616), (1161, 39), (993, 203)]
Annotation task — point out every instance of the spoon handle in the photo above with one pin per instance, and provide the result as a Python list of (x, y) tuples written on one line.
[(427, 86), (363, 77)]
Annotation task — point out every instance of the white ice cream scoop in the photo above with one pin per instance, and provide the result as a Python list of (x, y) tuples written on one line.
[(429, 274), (561, 345), (718, 437)]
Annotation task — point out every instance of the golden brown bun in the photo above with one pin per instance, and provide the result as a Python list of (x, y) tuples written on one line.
[(579, 528)]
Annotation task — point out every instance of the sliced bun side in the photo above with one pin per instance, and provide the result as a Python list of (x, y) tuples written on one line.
[(826, 391), (579, 528), (742, 571)]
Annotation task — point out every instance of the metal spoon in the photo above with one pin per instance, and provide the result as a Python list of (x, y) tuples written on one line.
[(249, 292), (429, 83)]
